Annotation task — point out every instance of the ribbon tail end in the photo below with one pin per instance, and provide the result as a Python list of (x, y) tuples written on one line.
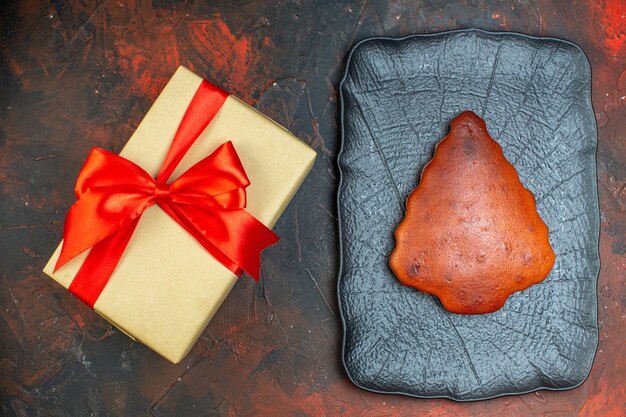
[(61, 260), (254, 270), (271, 238)]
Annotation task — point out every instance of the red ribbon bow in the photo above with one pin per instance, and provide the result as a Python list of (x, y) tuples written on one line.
[(208, 201)]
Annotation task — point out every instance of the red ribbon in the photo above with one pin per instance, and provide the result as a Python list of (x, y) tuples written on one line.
[(208, 201)]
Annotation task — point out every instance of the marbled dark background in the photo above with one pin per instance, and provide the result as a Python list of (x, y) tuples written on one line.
[(75, 74)]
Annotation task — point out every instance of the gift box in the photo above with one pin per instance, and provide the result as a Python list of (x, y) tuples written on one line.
[(166, 286)]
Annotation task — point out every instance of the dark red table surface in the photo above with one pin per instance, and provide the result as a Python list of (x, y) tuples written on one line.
[(76, 74)]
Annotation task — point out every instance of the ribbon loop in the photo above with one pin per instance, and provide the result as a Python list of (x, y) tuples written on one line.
[(208, 201)]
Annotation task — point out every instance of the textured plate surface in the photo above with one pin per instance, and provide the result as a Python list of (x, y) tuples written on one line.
[(398, 96)]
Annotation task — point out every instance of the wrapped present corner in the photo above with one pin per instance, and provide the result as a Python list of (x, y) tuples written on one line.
[(162, 281)]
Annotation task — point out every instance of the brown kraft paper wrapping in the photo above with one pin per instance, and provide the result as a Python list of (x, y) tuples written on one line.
[(167, 287)]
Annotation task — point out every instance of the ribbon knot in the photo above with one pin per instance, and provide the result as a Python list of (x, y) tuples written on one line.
[(161, 191), (208, 201)]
